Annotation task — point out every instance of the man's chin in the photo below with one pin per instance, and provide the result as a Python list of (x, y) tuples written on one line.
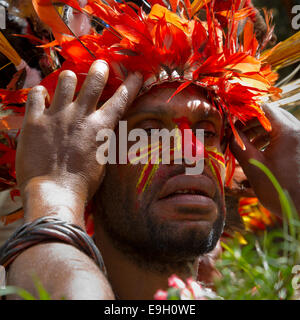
[(185, 227), (166, 231)]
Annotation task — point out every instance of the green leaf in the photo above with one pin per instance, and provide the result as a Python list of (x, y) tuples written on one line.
[(17, 291), (173, 294), (285, 201), (43, 294)]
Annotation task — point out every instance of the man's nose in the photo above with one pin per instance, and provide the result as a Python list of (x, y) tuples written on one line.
[(187, 148)]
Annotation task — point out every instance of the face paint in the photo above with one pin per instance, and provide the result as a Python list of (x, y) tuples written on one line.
[(216, 163), (144, 154), (146, 177), (149, 169), (154, 158), (189, 137), (215, 159)]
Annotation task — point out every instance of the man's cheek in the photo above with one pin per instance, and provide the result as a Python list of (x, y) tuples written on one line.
[(122, 178), (149, 184), (215, 163)]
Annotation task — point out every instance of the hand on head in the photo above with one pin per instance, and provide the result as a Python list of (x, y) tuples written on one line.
[(279, 150), (57, 145)]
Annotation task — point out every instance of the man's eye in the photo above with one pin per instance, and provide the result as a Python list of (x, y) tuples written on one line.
[(209, 134), (209, 128), (149, 125)]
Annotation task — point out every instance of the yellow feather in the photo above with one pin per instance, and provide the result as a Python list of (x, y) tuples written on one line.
[(290, 100), (9, 51), (284, 54), (197, 5)]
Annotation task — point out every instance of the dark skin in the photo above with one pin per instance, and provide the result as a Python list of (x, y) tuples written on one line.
[(71, 171), (169, 233), (281, 155)]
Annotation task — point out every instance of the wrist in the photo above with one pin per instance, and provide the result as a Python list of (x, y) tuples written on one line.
[(45, 197)]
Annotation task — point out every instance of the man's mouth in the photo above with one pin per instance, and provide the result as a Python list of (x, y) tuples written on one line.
[(189, 197), (187, 191), (188, 185)]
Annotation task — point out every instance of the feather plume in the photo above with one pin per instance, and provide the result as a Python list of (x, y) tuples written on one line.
[(284, 53), (7, 49), (49, 15)]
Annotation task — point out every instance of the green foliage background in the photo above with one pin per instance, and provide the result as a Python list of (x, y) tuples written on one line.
[(263, 269)]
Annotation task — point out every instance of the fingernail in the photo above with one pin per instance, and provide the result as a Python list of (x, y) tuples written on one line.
[(100, 61)]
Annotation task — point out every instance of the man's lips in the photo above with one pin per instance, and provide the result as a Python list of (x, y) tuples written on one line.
[(188, 186), (189, 197)]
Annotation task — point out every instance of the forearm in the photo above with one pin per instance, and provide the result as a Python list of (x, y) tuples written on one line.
[(48, 198), (64, 271), (288, 174)]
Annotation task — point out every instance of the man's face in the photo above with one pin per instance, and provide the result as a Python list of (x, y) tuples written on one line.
[(177, 217)]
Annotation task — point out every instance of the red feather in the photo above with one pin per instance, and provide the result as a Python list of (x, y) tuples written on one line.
[(12, 96), (48, 14), (174, 4)]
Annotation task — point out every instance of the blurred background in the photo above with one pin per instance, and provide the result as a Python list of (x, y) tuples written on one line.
[(282, 14)]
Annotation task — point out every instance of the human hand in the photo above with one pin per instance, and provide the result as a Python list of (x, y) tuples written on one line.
[(57, 145), (279, 150)]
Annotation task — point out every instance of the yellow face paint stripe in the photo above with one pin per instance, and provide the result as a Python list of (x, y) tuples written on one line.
[(136, 160), (154, 169), (150, 175)]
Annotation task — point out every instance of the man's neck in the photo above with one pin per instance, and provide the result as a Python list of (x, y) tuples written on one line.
[(132, 281)]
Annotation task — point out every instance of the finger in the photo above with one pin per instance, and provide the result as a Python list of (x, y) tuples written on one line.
[(114, 109), (247, 125), (277, 115), (93, 86), (290, 117), (243, 156), (64, 92), (261, 141), (254, 132), (272, 112), (35, 104)]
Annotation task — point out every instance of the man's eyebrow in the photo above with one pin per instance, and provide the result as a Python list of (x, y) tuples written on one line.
[(158, 110), (163, 110)]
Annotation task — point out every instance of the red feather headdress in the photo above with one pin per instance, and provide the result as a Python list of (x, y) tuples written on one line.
[(208, 43), (173, 44), (169, 44)]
